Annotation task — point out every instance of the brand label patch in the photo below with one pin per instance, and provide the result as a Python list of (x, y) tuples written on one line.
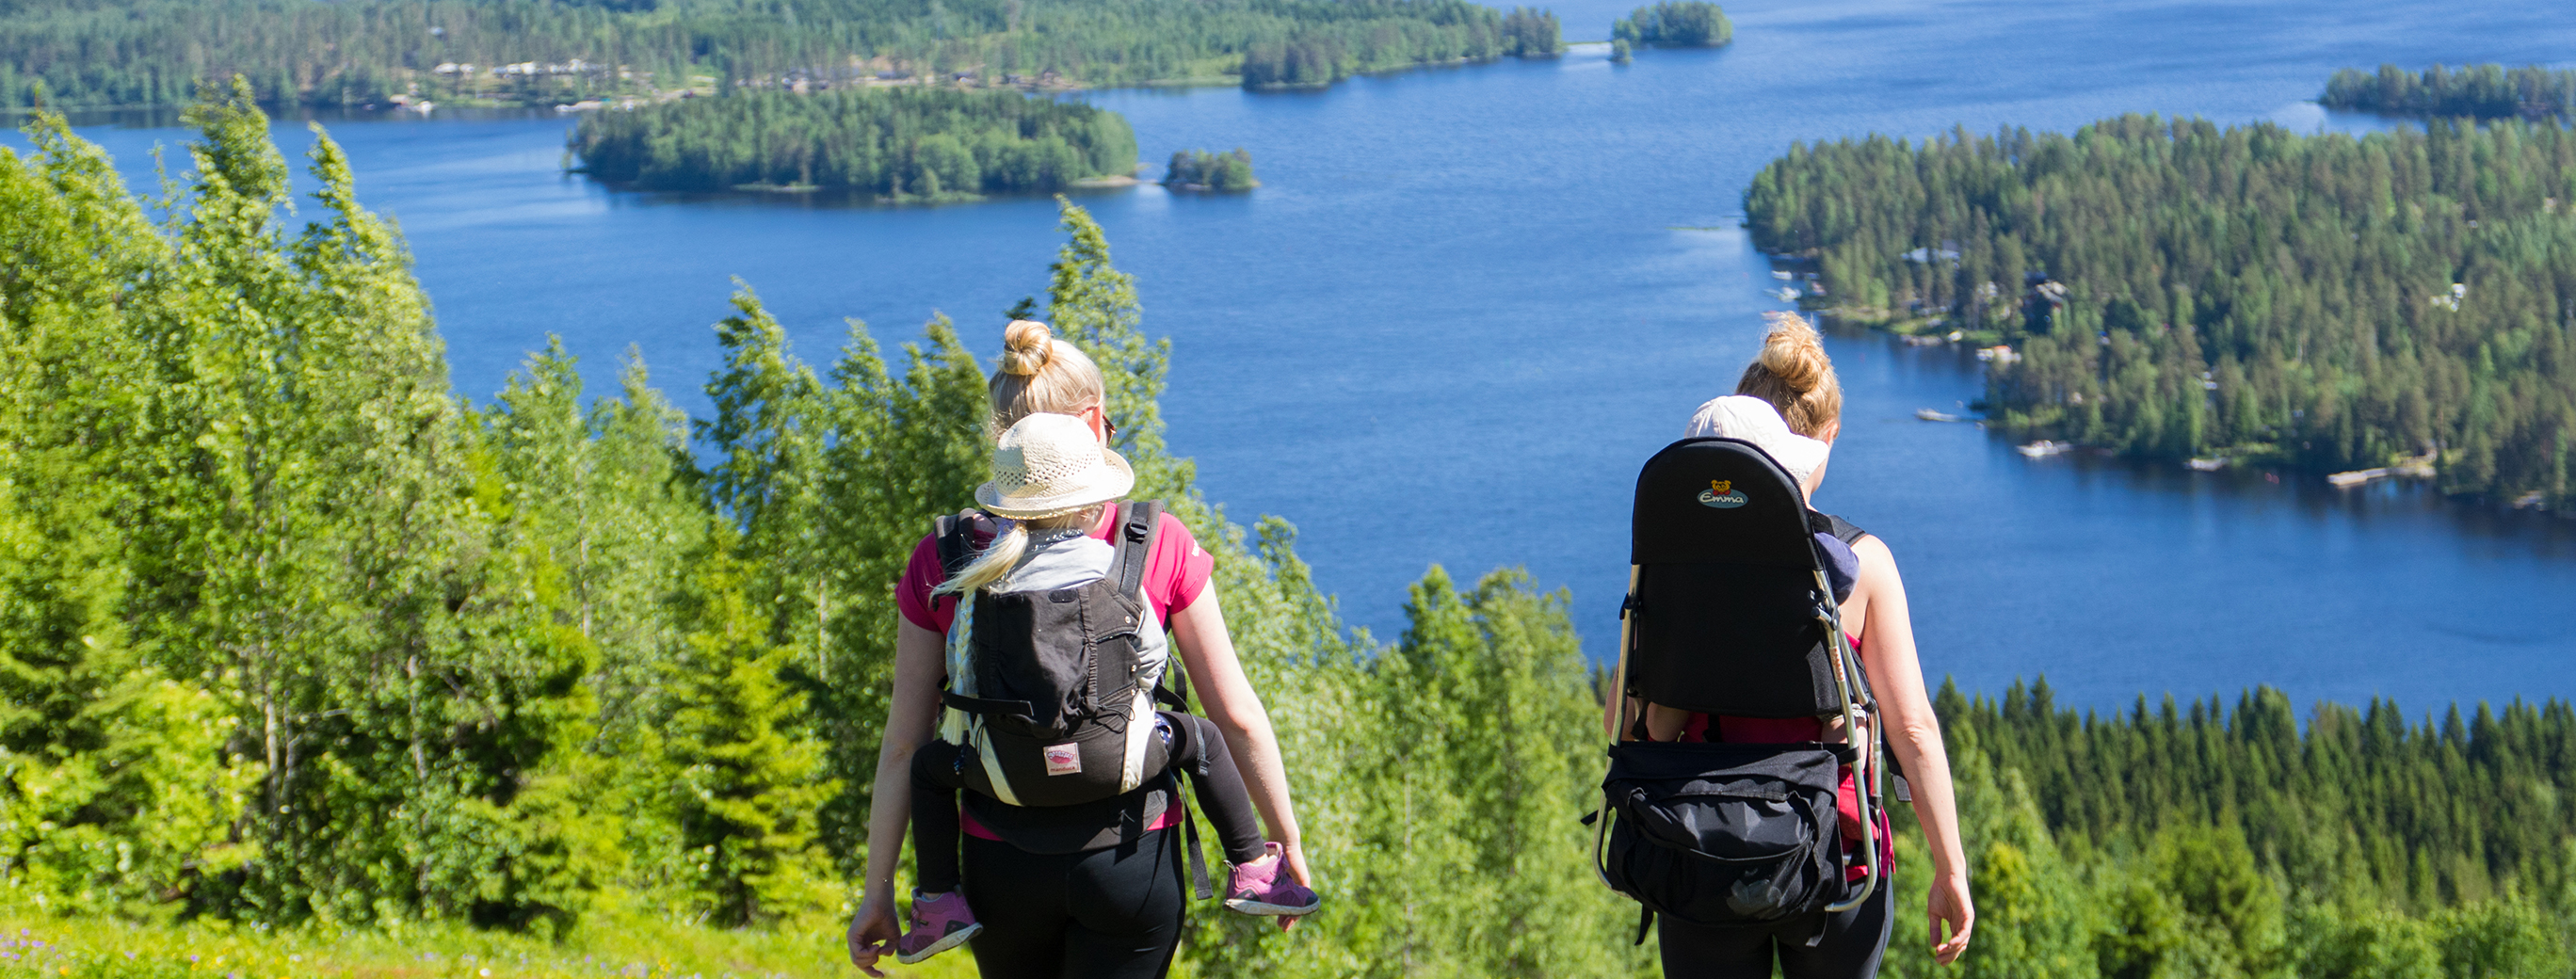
[(1722, 494), (1064, 759)]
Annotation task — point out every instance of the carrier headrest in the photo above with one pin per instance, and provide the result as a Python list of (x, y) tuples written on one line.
[(1719, 500)]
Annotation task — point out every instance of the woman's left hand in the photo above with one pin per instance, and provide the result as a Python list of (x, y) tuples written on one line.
[(1294, 855)]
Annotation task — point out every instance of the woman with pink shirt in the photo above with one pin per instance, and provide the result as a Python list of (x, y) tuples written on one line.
[(1092, 889)]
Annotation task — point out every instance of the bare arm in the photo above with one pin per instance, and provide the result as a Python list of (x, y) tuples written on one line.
[(919, 663), (1914, 734), (1207, 651)]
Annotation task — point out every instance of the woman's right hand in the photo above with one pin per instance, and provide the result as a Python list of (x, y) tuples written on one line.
[(1949, 903), (872, 933)]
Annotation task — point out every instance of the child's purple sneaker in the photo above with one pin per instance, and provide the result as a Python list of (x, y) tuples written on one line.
[(938, 924), (1263, 887)]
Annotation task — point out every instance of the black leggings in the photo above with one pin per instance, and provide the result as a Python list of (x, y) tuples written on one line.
[(938, 773), (1113, 913), (1853, 942)]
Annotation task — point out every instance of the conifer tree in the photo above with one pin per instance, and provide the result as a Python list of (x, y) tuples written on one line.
[(748, 782)]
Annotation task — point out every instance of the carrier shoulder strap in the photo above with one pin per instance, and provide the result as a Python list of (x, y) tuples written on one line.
[(954, 536), (1137, 525), (1135, 541), (1843, 530)]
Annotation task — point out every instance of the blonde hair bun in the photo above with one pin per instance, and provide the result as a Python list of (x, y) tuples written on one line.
[(1794, 353), (1794, 374), (1027, 345)]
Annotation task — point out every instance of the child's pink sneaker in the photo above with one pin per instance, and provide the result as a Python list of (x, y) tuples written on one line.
[(938, 924), (1263, 887)]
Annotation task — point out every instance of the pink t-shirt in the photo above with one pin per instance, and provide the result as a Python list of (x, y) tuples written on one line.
[(1176, 571)]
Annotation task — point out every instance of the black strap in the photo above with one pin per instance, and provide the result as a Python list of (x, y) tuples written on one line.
[(955, 537), (1645, 920), (1135, 540), (1843, 530), (980, 705), (1190, 838)]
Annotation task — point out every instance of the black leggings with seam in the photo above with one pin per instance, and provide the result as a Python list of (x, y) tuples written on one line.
[(1852, 945), (1197, 747), (1112, 913)]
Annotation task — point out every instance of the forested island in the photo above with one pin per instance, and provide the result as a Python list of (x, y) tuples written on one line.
[(548, 52), (2481, 92), (1202, 170), (1675, 24), (929, 144), (2181, 290)]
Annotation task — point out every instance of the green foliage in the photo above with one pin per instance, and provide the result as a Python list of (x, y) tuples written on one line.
[(2200, 841), (1620, 50), (928, 143), (2483, 92), (1676, 24), (1202, 170), (320, 645), (1532, 32), (746, 788), (2316, 300), (543, 52)]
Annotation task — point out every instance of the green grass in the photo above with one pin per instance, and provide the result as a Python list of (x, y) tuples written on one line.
[(621, 946)]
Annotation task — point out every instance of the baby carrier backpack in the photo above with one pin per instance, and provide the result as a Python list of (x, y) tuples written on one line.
[(1047, 690), (1729, 612)]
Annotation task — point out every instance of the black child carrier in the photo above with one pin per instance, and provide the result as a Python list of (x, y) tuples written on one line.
[(1047, 690), (1729, 612)]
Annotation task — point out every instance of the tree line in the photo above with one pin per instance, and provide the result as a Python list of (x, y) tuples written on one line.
[(1307, 58), (2250, 292), (931, 144), (315, 52), (2205, 839), (1220, 172), (2482, 92), (1675, 24)]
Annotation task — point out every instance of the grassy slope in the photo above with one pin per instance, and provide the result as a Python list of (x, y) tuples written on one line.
[(629, 946)]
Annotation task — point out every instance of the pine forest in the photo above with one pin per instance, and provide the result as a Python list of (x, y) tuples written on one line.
[(2481, 92), (1202, 170), (2181, 290), (328, 669), (1675, 24), (545, 52), (933, 144)]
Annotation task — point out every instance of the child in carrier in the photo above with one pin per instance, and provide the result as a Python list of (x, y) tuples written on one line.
[(1054, 660)]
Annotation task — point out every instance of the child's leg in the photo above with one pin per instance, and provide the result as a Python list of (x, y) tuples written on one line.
[(934, 816), (1197, 748)]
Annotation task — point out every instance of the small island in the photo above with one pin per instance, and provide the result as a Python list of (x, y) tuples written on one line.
[(1673, 24), (2480, 92), (1221, 173), (897, 143)]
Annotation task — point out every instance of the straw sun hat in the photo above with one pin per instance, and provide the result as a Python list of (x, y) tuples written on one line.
[(1049, 466)]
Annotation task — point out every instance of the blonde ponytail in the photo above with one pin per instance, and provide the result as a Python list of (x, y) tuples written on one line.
[(1010, 543), (1040, 374), (1794, 375)]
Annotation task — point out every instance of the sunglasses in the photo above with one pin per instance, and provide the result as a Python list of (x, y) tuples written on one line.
[(1109, 429)]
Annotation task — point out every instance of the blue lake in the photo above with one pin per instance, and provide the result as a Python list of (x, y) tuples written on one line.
[(1468, 302)]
